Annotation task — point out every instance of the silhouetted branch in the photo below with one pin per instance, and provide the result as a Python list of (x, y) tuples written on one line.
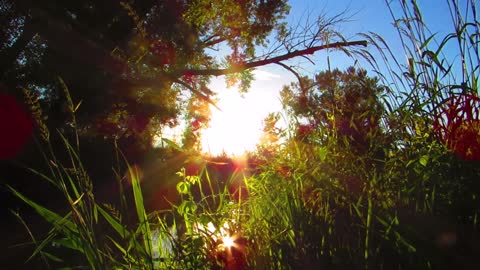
[(273, 60), (299, 78), (196, 92)]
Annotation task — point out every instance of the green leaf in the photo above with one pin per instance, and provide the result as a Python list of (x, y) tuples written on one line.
[(172, 144), (357, 210), (140, 207), (95, 213), (427, 41), (183, 187), (424, 160), (39, 249), (322, 153), (68, 243), (119, 228), (119, 247), (186, 207), (52, 257), (48, 215)]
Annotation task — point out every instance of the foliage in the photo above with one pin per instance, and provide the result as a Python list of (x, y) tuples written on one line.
[(371, 173), (408, 200), (189, 236), (344, 102), (98, 235), (344, 190), (138, 65)]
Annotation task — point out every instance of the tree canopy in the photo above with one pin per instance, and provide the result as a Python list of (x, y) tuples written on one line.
[(346, 103), (135, 66)]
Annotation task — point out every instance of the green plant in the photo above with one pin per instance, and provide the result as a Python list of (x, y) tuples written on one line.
[(81, 226)]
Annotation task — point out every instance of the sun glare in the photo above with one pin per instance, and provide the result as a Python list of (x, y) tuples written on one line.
[(228, 242), (237, 126)]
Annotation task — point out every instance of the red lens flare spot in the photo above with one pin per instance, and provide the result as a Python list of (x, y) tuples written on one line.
[(15, 126), (458, 126)]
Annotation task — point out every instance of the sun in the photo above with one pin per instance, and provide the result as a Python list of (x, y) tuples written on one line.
[(228, 242), (237, 127)]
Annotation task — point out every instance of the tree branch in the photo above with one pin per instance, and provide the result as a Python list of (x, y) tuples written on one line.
[(299, 78), (273, 60), (197, 93)]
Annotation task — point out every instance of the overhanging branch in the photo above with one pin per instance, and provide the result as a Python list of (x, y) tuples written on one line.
[(273, 60), (197, 93)]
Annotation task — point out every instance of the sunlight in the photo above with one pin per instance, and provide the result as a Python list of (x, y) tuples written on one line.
[(237, 128), (228, 242)]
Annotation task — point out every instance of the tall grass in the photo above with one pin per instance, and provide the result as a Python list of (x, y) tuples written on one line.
[(325, 206), (103, 236), (437, 94), (81, 229), (437, 67)]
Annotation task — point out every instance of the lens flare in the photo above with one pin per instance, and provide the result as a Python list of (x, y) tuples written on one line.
[(228, 242)]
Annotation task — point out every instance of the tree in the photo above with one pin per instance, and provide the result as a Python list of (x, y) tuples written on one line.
[(345, 104), (131, 62)]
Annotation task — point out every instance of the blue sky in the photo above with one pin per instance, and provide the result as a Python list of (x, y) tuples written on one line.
[(367, 16)]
